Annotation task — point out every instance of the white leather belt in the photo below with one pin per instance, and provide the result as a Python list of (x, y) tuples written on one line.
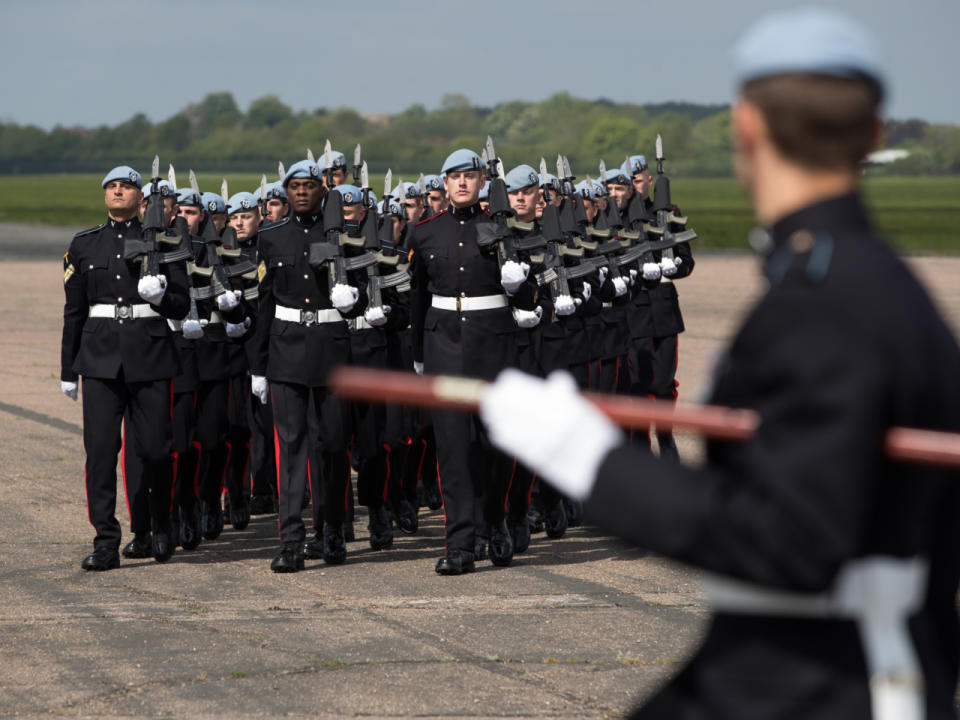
[(879, 593), (122, 312), (466, 304), (307, 317)]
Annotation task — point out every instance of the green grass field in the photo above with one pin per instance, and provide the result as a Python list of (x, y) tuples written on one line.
[(920, 215)]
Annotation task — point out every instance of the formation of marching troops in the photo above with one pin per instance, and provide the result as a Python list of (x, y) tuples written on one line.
[(206, 325)]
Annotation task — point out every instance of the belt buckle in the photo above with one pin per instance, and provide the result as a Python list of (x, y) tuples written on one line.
[(123, 312), (458, 304), (308, 317)]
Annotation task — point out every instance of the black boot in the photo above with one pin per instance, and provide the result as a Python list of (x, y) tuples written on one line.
[(555, 520), (668, 447), (140, 547), (189, 528), (406, 515), (520, 532), (289, 560), (334, 545), (501, 544), (211, 520), (381, 534)]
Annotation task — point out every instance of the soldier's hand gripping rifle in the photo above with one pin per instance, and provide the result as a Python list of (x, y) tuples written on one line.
[(500, 233), (146, 250)]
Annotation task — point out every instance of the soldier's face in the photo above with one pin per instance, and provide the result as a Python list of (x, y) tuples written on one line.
[(245, 223), (398, 225), (304, 195), (219, 221), (277, 209), (122, 198), (437, 201), (170, 209), (642, 182), (192, 214), (589, 208), (463, 187), (621, 194), (412, 207), (541, 204), (524, 202), (353, 213)]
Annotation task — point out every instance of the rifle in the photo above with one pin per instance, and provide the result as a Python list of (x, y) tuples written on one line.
[(663, 206), (385, 232), (368, 226), (500, 233), (146, 250), (357, 167)]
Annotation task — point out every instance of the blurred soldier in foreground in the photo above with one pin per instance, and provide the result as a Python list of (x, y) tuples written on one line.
[(833, 570)]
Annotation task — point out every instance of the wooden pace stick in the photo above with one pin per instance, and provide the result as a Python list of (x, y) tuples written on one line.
[(445, 392)]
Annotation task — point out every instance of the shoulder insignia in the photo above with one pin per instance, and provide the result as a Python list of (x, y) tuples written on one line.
[(409, 255), (68, 273), (90, 231), (432, 217), (261, 271)]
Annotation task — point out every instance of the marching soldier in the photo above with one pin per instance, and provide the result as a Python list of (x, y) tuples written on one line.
[(435, 196), (461, 312), (116, 338), (301, 334), (833, 569)]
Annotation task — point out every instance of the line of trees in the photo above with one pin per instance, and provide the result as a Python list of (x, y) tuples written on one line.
[(215, 135)]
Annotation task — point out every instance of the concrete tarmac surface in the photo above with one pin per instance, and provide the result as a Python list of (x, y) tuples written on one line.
[(582, 627)]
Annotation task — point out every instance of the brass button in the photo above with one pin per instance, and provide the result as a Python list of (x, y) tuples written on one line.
[(306, 277), (462, 318), (120, 321), (461, 268), (304, 253), (305, 231), (463, 294), (90, 268), (307, 300), (279, 264), (118, 277), (460, 244), (118, 256), (119, 300)]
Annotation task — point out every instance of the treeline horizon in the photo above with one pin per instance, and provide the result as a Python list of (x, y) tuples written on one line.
[(215, 135)]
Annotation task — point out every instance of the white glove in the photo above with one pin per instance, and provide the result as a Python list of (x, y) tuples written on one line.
[(651, 271), (602, 273), (377, 315), (586, 292), (192, 329), (527, 318), (418, 367), (633, 277), (152, 288), (344, 297), (513, 275), (69, 388), (564, 305), (259, 387), (550, 427), (236, 330), (228, 300), (619, 286), (668, 267)]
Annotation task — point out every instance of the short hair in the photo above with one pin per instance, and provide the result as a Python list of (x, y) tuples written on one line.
[(817, 121)]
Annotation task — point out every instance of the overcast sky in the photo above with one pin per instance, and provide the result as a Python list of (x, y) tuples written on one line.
[(89, 63)]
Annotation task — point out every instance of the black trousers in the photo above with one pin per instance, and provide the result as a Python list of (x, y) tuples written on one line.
[(293, 441), (473, 478), (663, 354), (238, 438), (263, 468), (186, 454), (212, 426), (150, 414)]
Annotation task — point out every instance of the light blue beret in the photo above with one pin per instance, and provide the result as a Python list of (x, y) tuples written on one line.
[(484, 191), (460, 160), (520, 177), (395, 208), (186, 196), (550, 180), (617, 176), (807, 40), (599, 189), (351, 194), (406, 191), (301, 170), (166, 189), (241, 202), (337, 160), (274, 190), (123, 173), (213, 202), (586, 190), (372, 198), (634, 164), (433, 182)]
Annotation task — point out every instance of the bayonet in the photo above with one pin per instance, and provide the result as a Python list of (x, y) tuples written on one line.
[(543, 180), (357, 164), (281, 170), (224, 191), (310, 155), (421, 185), (491, 155), (364, 177), (263, 193), (603, 172), (155, 174), (172, 177), (328, 163), (659, 155), (194, 185), (387, 188)]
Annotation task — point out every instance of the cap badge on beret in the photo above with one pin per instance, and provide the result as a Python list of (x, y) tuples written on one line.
[(314, 170), (348, 197), (212, 206), (133, 177), (245, 204)]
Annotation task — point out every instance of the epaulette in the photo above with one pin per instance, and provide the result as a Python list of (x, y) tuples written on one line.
[(431, 218), (90, 231), (274, 226)]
